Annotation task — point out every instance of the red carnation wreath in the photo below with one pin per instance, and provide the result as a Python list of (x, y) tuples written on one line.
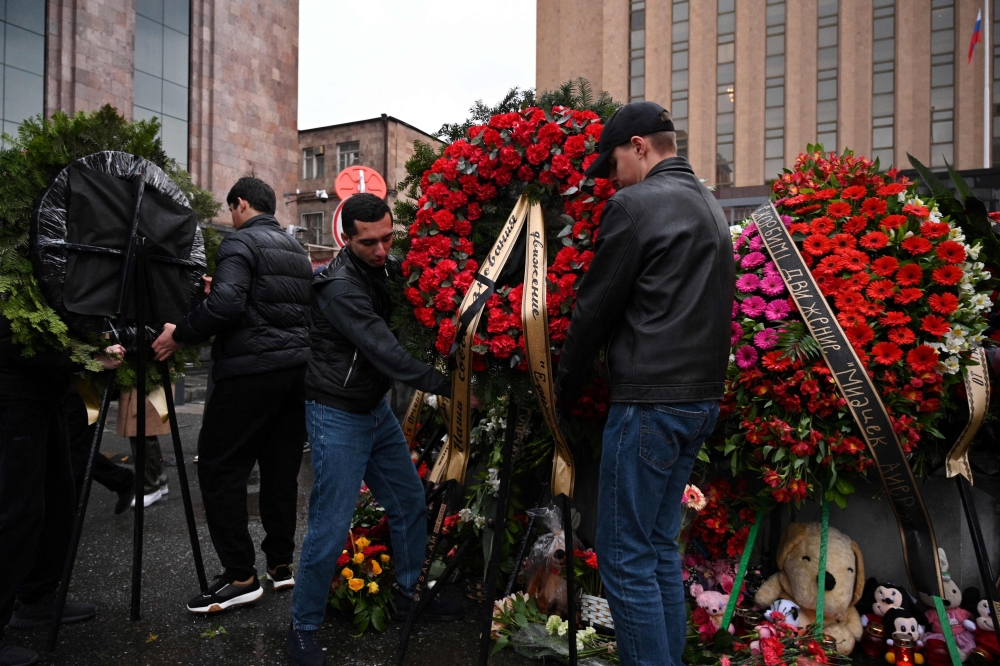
[(538, 152)]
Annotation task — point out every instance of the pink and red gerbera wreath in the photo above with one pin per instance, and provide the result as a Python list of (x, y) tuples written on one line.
[(544, 153)]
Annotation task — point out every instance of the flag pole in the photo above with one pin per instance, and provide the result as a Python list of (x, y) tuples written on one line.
[(987, 58)]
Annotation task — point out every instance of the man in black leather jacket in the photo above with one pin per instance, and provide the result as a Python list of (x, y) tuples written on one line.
[(353, 433), (257, 310), (658, 295)]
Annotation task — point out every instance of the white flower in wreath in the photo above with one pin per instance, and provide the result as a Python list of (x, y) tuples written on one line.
[(974, 250), (956, 234), (981, 302), (465, 515), (431, 401), (950, 365), (901, 197), (479, 521), (935, 215), (493, 479)]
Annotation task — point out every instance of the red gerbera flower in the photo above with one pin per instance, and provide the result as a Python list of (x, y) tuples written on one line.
[(893, 318), (932, 230), (920, 212), (945, 303), (855, 260), (854, 192), (874, 240), (871, 309), (817, 245), (849, 318), (848, 300), (839, 209), (880, 290), (908, 295), (922, 358), (844, 242), (885, 266), (799, 228), (855, 224), (823, 195), (874, 206), (822, 225), (902, 336), (891, 189), (935, 325), (891, 222), (776, 361), (857, 282), (886, 353), (831, 264), (947, 275), (916, 245), (860, 334), (909, 275), (952, 252)]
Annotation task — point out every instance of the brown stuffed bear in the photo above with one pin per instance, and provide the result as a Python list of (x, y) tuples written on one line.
[(798, 567)]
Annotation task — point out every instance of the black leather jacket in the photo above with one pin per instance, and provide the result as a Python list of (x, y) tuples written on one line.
[(355, 356), (659, 293), (44, 377), (258, 309)]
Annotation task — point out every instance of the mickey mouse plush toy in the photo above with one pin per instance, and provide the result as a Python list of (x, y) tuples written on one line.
[(879, 598), (899, 621)]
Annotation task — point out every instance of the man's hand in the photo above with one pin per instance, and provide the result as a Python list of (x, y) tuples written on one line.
[(208, 284), (165, 345), (111, 358)]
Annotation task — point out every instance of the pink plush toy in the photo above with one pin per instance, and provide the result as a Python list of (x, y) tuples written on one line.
[(714, 603)]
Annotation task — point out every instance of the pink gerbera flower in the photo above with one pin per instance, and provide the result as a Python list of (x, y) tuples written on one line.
[(750, 230), (753, 306), (748, 283), (772, 285), (777, 310), (756, 243), (746, 357), (693, 497), (737, 333), (766, 339), (753, 260), (736, 309)]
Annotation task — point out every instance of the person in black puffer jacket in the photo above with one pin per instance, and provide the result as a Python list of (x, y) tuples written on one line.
[(258, 311)]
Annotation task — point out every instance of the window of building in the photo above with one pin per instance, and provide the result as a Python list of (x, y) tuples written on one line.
[(883, 81), (996, 82), (725, 80), (774, 96), (637, 52), (162, 46), (313, 222), (22, 62), (313, 162), (942, 82), (826, 65), (348, 154), (680, 27)]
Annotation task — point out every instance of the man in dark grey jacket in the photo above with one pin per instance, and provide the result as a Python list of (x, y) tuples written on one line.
[(353, 433), (257, 310), (659, 295)]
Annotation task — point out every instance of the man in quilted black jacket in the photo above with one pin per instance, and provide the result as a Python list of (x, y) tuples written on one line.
[(257, 310)]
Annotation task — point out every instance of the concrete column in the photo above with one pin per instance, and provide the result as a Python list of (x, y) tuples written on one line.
[(658, 44), (854, 94), (614, 71), (968, 87), (751, 36), (800, 77), (913, 81), (701, 90)]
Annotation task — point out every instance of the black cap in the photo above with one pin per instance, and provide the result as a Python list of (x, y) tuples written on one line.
[(633, 119)]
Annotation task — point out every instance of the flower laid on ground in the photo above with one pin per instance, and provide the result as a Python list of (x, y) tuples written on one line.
[(585, 569), (909, 295), (518, 615)]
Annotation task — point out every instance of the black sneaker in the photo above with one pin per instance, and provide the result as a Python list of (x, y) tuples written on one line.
[(436, 609), (223, 594), (13, 655), (303, 648), (281, 577), (28, 616)]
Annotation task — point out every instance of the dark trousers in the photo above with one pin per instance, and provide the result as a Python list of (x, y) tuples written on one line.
[(36, 502), (252, 419), (114, 477)]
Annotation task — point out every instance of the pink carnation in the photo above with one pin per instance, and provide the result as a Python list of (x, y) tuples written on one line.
[(748, 283), (753, 260), (746, 357), (753, 306), (776, 310)]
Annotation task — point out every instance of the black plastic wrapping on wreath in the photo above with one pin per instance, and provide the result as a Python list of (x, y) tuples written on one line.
[(91, 202)]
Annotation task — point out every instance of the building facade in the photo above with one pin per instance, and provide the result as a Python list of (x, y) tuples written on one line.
[(221, 75), (751, 82), (384, 144)]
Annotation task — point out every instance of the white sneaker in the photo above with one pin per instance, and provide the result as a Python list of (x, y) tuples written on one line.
[(164, 490), (149, 498)]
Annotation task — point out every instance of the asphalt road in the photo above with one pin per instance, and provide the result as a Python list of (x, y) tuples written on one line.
[(168, 634)]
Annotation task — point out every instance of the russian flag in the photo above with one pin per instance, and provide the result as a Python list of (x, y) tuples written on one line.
[(977, 35)]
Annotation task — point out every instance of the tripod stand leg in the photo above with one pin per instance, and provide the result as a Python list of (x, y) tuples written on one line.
[(140, 430), (523, 547), (421, 599), (570, 579), (499, 531), (982, 556), (199, 564), (81, 512)]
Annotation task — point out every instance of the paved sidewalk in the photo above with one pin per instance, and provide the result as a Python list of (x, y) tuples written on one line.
[(169, 634)]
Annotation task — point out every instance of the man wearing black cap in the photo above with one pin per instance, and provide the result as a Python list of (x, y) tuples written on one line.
[(659, 295)]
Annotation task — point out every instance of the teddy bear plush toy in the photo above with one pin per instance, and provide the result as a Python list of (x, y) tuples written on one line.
[(711, 607), (879, 598), (797, 576), (959, 618)]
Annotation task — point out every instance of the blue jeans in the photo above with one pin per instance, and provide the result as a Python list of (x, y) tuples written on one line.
[(347, 448), (649, 451)]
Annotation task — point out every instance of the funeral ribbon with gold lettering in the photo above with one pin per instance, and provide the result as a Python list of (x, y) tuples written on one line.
[(412, 418), (977, 388), (919, 544)]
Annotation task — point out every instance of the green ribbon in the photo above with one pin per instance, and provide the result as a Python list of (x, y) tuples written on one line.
[(742, 571), (821, 579), (949, 637)]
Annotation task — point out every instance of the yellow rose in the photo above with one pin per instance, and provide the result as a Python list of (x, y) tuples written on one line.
[(361, 543), (356, 584), (347, 573), (373, 588), (385, 559), (376, 569), (359, 558)]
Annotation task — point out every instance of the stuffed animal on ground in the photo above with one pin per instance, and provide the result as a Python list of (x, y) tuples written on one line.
[(986, 637), (784, 611), (899, 621), (711, 606), (879, 598), (798, 569), (959, 619)]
